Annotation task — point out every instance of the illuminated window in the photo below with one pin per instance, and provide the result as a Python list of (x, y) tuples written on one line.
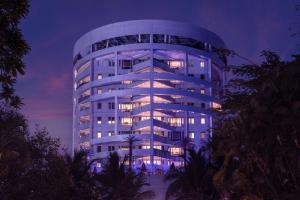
[(175, 122), (157, 161), (99, 134), (202, 120), (202, 91), (157, 147), (202, 135), (111, 120), (111, 105), (175, 150), (127, 121), (175, 64), (125, 107), (99, 120), (146, 160), (202, 64), (192, 135), (110, 133), (146, 147), (99, 91), (126, 82), (216, 105), (99, 76), (98, 164), (191, 120)]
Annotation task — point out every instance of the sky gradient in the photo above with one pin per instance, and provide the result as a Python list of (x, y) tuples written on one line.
[(53, 26)]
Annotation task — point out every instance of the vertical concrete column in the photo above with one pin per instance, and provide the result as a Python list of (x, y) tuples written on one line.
[(210, 94), (151, 114), (116, 116), (116, 97), (186, 118), (93, 104)]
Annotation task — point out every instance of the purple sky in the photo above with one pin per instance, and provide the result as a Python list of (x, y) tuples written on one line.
[(53, 26)]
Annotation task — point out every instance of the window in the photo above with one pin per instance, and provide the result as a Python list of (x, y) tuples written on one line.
[(191, 120), (99, 105), (157, 147), (175, 122), (202, 120), (111, 89), (202, 91), (98, 164), (111, 63), (99, 120), (125, 107), (111, 120), (192, 135), (126, 82), (99, 134), (111, 148), (99, 148), (111, 105), (202, 76), (110, 133), (202, 135), (202, 64), (126, 64), (111, 75), (99, 76), (175, 64), (191, 75), (202, 105), (190, 104), (191, 89), (146, 147), (175, 151), (127, 121), (99, 90)]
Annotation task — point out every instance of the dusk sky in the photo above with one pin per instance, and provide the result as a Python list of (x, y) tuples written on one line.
[(53, 26)]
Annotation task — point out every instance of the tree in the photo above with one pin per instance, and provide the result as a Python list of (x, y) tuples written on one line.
[(194, 180), (115, 182), (83, 186), (131, 140), (12, 48), (14, 151), (259, 132)]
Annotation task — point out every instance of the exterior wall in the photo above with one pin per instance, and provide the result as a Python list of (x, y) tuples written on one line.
[(155, 79)]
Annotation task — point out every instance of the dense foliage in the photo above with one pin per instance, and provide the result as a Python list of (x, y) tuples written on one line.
[(258, 132), (12, 48)]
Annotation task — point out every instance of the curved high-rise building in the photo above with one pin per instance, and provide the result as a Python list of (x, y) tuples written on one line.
[(154, 79)]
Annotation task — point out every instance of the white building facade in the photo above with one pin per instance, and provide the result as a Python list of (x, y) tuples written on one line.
[(154, 79)]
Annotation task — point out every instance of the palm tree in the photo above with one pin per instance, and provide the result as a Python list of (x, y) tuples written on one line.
[(114, 182), (185, 143), (82, 181), (131, 139), (193, 181)]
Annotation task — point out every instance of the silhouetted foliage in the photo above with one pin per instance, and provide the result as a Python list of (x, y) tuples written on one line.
[(258, 132), (12, 48), (193, 181), (115, 182)]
